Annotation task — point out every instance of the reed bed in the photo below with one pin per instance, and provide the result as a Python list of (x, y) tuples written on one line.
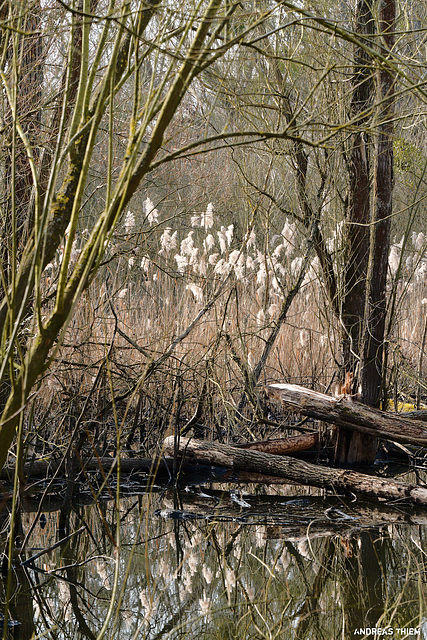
[(177, 319)]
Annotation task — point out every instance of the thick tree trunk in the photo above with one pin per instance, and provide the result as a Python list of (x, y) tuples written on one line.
[(339, 480), (356, 230), (376, 308), (351, 447), (366, 244)]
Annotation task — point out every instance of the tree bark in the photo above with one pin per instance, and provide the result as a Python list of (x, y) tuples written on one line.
[(356, 229), (355, 448), (368, 229), (337, 480), (376, 302)]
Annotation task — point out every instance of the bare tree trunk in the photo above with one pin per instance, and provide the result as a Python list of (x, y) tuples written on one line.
[(364, 305), (372, 363), (356, 240)]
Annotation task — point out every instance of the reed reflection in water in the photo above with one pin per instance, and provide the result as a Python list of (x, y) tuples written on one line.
[(221, 564)]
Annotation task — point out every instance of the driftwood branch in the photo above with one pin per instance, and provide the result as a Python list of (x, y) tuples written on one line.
[(349, 414), (338, 480)]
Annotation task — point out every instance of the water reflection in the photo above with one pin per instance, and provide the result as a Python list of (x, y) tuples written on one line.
[(277, 563)]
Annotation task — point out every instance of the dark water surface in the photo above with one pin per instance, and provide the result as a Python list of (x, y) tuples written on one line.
[(254, 562)]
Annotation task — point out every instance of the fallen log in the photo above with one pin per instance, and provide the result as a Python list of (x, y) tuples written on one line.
[(283, 446), (160, 470), (349, 414), (337, 480), (148, 469), (46, 468)]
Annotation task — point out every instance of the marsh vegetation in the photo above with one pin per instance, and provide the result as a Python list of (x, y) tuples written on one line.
[(197, 202)]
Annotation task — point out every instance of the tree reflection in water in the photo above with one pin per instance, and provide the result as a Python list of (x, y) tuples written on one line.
[(199, 565)]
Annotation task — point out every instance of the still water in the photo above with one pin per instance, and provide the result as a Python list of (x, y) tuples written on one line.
[(216, 562)]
